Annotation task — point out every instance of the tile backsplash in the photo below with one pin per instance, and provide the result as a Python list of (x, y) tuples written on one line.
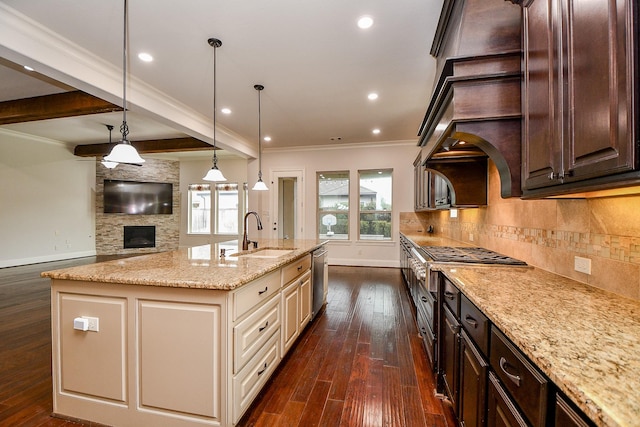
[(550, 233)]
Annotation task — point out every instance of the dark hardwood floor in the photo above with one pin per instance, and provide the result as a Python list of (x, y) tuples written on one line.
[(360, 363)]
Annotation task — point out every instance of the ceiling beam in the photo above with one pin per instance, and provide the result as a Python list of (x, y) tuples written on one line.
[(66, 104), (145, 147)]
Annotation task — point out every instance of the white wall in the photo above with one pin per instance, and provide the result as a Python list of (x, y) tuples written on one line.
[(47, 199), (396, 155), (191, 172)]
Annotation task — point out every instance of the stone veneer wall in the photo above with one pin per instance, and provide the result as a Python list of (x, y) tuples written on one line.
[(110, 227), (550, 233)]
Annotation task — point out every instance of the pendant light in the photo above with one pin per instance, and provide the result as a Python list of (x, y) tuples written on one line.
[(260, 185), (107, 164), (124, 152), (214, 173)]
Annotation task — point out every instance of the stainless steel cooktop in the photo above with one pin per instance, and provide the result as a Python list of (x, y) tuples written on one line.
[(469, 255)]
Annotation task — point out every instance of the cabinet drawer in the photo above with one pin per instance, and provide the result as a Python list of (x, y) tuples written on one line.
[(255, 293), (295, 269), (475, 323), (527, 385), (569, 416), (451, 297), (248, 383), (250, 334), (426, 301)]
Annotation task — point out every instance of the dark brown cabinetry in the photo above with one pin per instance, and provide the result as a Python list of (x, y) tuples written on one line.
[(473, 384), (501, 411), (449, 363), (430, 190), (569, 416), (579, 100)]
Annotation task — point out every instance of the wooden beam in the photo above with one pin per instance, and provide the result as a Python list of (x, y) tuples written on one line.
[(67, 104), (145, 147)]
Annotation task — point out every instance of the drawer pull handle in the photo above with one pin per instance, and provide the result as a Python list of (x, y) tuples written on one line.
[(266, 288), (470, 320), (262, 328), (260, 372), (512, 377), (424, 299), (299, 268), (449, 295)]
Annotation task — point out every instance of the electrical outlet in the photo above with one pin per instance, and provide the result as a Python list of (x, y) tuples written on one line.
[(94, 323), (582, 265)]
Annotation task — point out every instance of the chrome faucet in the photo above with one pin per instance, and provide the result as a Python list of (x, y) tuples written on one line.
[(245, 239)]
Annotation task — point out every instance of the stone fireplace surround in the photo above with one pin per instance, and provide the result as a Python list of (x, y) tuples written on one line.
[(110, 227)]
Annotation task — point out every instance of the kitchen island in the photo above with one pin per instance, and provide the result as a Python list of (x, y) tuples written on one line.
[(585, 340), (180, 338)]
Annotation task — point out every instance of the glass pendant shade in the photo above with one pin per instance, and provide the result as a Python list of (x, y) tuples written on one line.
[(124, 152), (260, 185), (214, 175)]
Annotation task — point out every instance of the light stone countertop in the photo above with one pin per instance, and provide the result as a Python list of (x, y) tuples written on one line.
[(198, 267), (586, 340)]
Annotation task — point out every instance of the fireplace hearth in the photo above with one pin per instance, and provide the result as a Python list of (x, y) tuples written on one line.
[(139, 236)]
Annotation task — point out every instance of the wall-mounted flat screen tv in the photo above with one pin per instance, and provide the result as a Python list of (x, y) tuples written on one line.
[(138, 198)]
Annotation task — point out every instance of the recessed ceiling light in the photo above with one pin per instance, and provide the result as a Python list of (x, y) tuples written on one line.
[(267, 138), (372, 96), (375, 131), (143, 56), (365, 22), (26, 67), (225, 111)]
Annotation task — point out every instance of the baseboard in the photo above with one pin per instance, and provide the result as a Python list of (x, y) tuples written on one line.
[(45, 258), (357, 262)]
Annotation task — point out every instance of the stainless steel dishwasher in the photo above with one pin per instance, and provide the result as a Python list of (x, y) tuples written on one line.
[(318, 276)]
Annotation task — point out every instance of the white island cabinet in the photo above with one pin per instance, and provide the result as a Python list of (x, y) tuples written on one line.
[(172, 339)]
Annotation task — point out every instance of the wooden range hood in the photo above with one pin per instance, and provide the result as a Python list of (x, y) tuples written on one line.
[(475, 110)]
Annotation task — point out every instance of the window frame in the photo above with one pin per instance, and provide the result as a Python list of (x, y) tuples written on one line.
[(343, 174), (375, 211)]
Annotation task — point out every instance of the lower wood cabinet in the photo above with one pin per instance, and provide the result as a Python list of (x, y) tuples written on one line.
[(501, 412), (296, 308), (473, 384), (567, 415), (449, 356), (489, 380)]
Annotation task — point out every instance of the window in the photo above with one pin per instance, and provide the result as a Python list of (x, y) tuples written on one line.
[(333, 205), (375, 204), (227, 201), (199, 209)]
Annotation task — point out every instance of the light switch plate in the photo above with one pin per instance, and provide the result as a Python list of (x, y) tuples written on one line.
[(582, 265)]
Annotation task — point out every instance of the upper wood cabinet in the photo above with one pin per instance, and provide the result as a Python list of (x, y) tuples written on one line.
[(580, 121)]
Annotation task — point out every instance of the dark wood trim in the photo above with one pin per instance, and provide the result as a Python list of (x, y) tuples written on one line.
[(67, 104), (146, 147)]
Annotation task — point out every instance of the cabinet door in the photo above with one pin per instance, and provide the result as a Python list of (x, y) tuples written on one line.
[(306, 295), (473, 385), (567, 416), (541, 133), (501, 412), (449, 359), (290, 317), (599, 72)]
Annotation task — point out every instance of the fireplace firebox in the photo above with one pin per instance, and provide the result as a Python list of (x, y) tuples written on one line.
[(139, 236)]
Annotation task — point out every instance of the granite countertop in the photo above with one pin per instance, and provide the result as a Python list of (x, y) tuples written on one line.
[(586, 340), (198, 267)]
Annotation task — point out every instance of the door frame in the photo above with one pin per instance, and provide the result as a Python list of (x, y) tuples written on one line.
[(298, 174)]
